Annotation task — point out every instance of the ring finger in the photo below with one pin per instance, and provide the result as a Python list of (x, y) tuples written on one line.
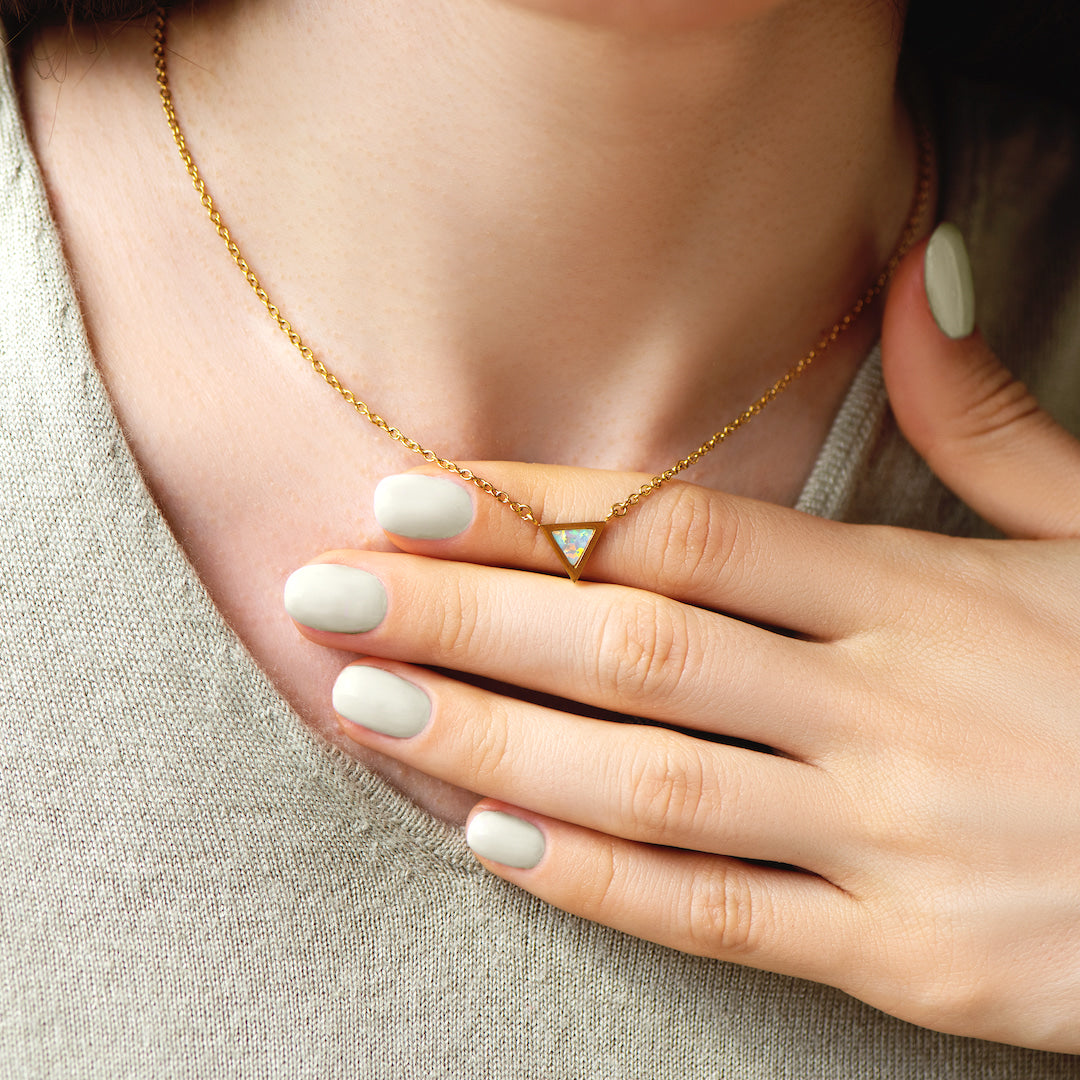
[(651, 784)]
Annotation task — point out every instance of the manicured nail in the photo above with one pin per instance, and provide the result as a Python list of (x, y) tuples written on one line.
[(382, 702), (505, 839), (422, 507), (947, 273), (341, 599)]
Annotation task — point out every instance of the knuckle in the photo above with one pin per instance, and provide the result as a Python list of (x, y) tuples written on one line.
[(725, 915), (601, 884), (998, 404), (456, 623), (701, 539), (949, 1002), (644, 651), (950, 992), (666, 793), (490, 749)]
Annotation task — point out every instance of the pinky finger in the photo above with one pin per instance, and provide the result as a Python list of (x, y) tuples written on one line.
[(763, 916)]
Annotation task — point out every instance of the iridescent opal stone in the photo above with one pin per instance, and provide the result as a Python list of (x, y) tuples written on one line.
[(572, 542)]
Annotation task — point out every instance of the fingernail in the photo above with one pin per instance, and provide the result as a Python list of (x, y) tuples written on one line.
[(505, 839), (949, 289), (422, 507), (381, 702), (341, 599)]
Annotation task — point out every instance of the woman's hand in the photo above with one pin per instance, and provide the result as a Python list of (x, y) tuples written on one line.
[(914, 838)]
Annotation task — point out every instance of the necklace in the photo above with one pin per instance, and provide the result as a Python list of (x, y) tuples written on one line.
[(574, 541)]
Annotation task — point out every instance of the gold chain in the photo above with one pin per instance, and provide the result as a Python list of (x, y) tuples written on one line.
[(523, 510)]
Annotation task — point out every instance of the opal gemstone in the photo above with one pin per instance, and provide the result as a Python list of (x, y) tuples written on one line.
[(572, 542)]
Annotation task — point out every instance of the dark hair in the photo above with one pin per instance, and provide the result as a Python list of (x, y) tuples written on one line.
[(22, 15), (1030, 43), (1034, 44)]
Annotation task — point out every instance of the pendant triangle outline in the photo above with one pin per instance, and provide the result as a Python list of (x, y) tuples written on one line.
[(574, 562)]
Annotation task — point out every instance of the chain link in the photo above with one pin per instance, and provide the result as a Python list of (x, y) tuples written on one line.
[(523, 510)]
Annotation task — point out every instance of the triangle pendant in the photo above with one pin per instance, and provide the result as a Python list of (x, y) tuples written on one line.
[(573, 543)]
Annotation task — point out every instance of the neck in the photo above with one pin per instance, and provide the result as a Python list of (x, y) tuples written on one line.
[(519, 203)]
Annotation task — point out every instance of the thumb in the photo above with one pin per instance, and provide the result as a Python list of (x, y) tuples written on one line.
[(978, 428)]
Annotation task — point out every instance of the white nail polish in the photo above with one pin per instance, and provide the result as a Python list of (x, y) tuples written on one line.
[(381, 702), (341, 599), (422, 507), (505, 839), (949, 288)]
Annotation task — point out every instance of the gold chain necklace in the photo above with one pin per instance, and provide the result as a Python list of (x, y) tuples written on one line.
[(573, 541)]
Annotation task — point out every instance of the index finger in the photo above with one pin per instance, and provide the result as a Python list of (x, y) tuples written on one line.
[(750, 559)]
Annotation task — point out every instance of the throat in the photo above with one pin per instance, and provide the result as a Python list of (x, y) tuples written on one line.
[(532, 224)]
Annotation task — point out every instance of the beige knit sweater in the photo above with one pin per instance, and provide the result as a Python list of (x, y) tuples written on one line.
[(177, 901)]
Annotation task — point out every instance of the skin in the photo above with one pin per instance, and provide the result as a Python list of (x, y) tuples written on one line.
[(461, 205), (925, 710), (922, 707)]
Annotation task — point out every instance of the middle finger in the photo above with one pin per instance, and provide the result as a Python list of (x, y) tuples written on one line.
[(606, 646)]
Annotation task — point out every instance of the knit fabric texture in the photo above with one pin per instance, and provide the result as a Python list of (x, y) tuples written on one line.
[(193, 886)]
